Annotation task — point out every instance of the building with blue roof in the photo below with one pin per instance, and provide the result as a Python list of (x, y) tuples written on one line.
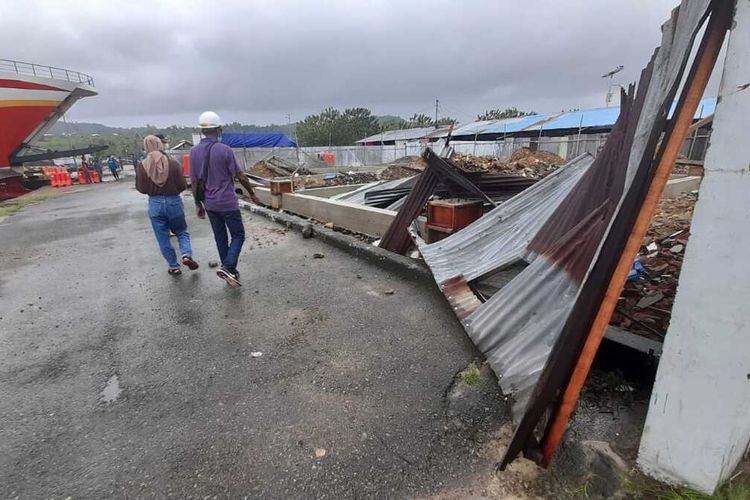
[(567, 133)]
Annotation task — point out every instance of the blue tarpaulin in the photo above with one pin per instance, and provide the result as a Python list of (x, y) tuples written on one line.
[(257, 140)]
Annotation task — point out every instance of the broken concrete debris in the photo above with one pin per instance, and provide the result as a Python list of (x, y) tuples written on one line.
[(307, 231)]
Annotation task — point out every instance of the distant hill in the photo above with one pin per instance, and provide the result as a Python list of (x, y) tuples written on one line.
[(87, 128), (177, 132)]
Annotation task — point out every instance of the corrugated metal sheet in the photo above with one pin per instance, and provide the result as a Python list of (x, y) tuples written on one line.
[(643, 122), (501, 236), (358, 195), (409, 134), (479, 127), (600, 117), (523, 123), (532, 329)]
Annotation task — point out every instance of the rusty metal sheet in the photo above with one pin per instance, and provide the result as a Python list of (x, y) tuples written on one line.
[(532, 329)]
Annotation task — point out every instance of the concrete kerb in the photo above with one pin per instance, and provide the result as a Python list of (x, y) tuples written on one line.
[(405, 266)]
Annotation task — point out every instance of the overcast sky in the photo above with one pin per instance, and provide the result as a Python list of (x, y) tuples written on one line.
[(255, 61)]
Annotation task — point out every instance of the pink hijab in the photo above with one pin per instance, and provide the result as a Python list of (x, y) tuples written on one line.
[(156, 163)]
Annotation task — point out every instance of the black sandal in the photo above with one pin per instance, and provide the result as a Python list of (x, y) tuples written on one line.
[(175, 271)]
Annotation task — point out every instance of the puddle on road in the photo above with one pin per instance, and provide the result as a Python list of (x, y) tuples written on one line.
[(111, 391)]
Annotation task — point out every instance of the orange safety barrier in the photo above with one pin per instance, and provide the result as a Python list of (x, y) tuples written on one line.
[(95, 177), (53, 180), (186, 165), (67, 181), (82, 177), (329, 159)]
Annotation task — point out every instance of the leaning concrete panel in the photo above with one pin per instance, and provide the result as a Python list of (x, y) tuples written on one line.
[(698, 424)]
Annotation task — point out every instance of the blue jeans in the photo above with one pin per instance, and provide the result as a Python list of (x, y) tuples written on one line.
[(167, 213), (229, 253)]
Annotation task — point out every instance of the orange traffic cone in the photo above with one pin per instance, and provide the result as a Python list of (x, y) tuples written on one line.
[(68, 178)]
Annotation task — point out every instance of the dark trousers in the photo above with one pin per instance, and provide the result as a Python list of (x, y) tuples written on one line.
[(229, 252)]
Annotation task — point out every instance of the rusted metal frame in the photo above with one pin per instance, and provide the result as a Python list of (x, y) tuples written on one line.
[(449, 172), (705, 60), (397, 238), (564, 354)]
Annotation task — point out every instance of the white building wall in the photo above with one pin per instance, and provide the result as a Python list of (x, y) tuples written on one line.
[(698, 423)]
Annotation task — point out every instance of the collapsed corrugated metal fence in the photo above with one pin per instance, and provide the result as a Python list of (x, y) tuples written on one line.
[(570, 229)]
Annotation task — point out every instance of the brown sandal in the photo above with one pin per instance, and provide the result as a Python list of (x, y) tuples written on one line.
[(189, 262)]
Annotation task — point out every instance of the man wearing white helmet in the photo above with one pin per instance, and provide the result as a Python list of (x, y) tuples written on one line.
[(213, 170)]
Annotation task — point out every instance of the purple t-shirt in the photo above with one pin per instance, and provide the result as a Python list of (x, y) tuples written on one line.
[(220, 194)]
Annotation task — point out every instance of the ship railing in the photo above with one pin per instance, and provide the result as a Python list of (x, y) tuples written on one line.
[(24, 68)]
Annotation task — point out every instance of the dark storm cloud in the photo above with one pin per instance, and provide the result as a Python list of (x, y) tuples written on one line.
[(164, 62)]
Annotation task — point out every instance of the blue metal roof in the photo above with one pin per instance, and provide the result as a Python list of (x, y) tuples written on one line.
[(606, 117), (519, 124), (586, 118), (705, 109), (599, 117)]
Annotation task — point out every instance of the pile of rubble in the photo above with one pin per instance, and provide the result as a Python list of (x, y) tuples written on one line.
[(274, 166), (523, 162), (339, 179), (645, 306), (403, 167)]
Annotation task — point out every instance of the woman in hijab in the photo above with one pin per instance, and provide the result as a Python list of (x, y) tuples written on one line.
[(160, 177)]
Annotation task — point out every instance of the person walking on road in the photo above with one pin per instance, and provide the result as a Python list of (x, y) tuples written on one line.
[(213, 170), (160, 177), (97, 166), (112, 163)]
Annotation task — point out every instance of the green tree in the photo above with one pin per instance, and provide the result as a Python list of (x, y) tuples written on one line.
[(392, 123), (445, 121), (333, 128), (419, 120), (498, 114), (357, 123)]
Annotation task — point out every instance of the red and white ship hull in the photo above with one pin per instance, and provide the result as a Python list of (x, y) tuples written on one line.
[(29, 105)]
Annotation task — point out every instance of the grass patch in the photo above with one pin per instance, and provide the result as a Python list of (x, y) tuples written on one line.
[(11, 207), (656, 491), (8, 210), (471, 375)]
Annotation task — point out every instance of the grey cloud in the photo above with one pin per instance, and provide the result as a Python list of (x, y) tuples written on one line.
[(164, 62)]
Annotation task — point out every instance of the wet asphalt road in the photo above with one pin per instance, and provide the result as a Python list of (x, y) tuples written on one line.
[(86, 305)]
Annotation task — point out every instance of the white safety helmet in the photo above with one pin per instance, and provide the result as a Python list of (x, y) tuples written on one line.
[(209, 119)]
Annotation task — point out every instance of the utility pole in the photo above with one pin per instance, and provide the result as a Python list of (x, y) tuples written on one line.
[(289, 123), (610, 75), (437, 102)]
